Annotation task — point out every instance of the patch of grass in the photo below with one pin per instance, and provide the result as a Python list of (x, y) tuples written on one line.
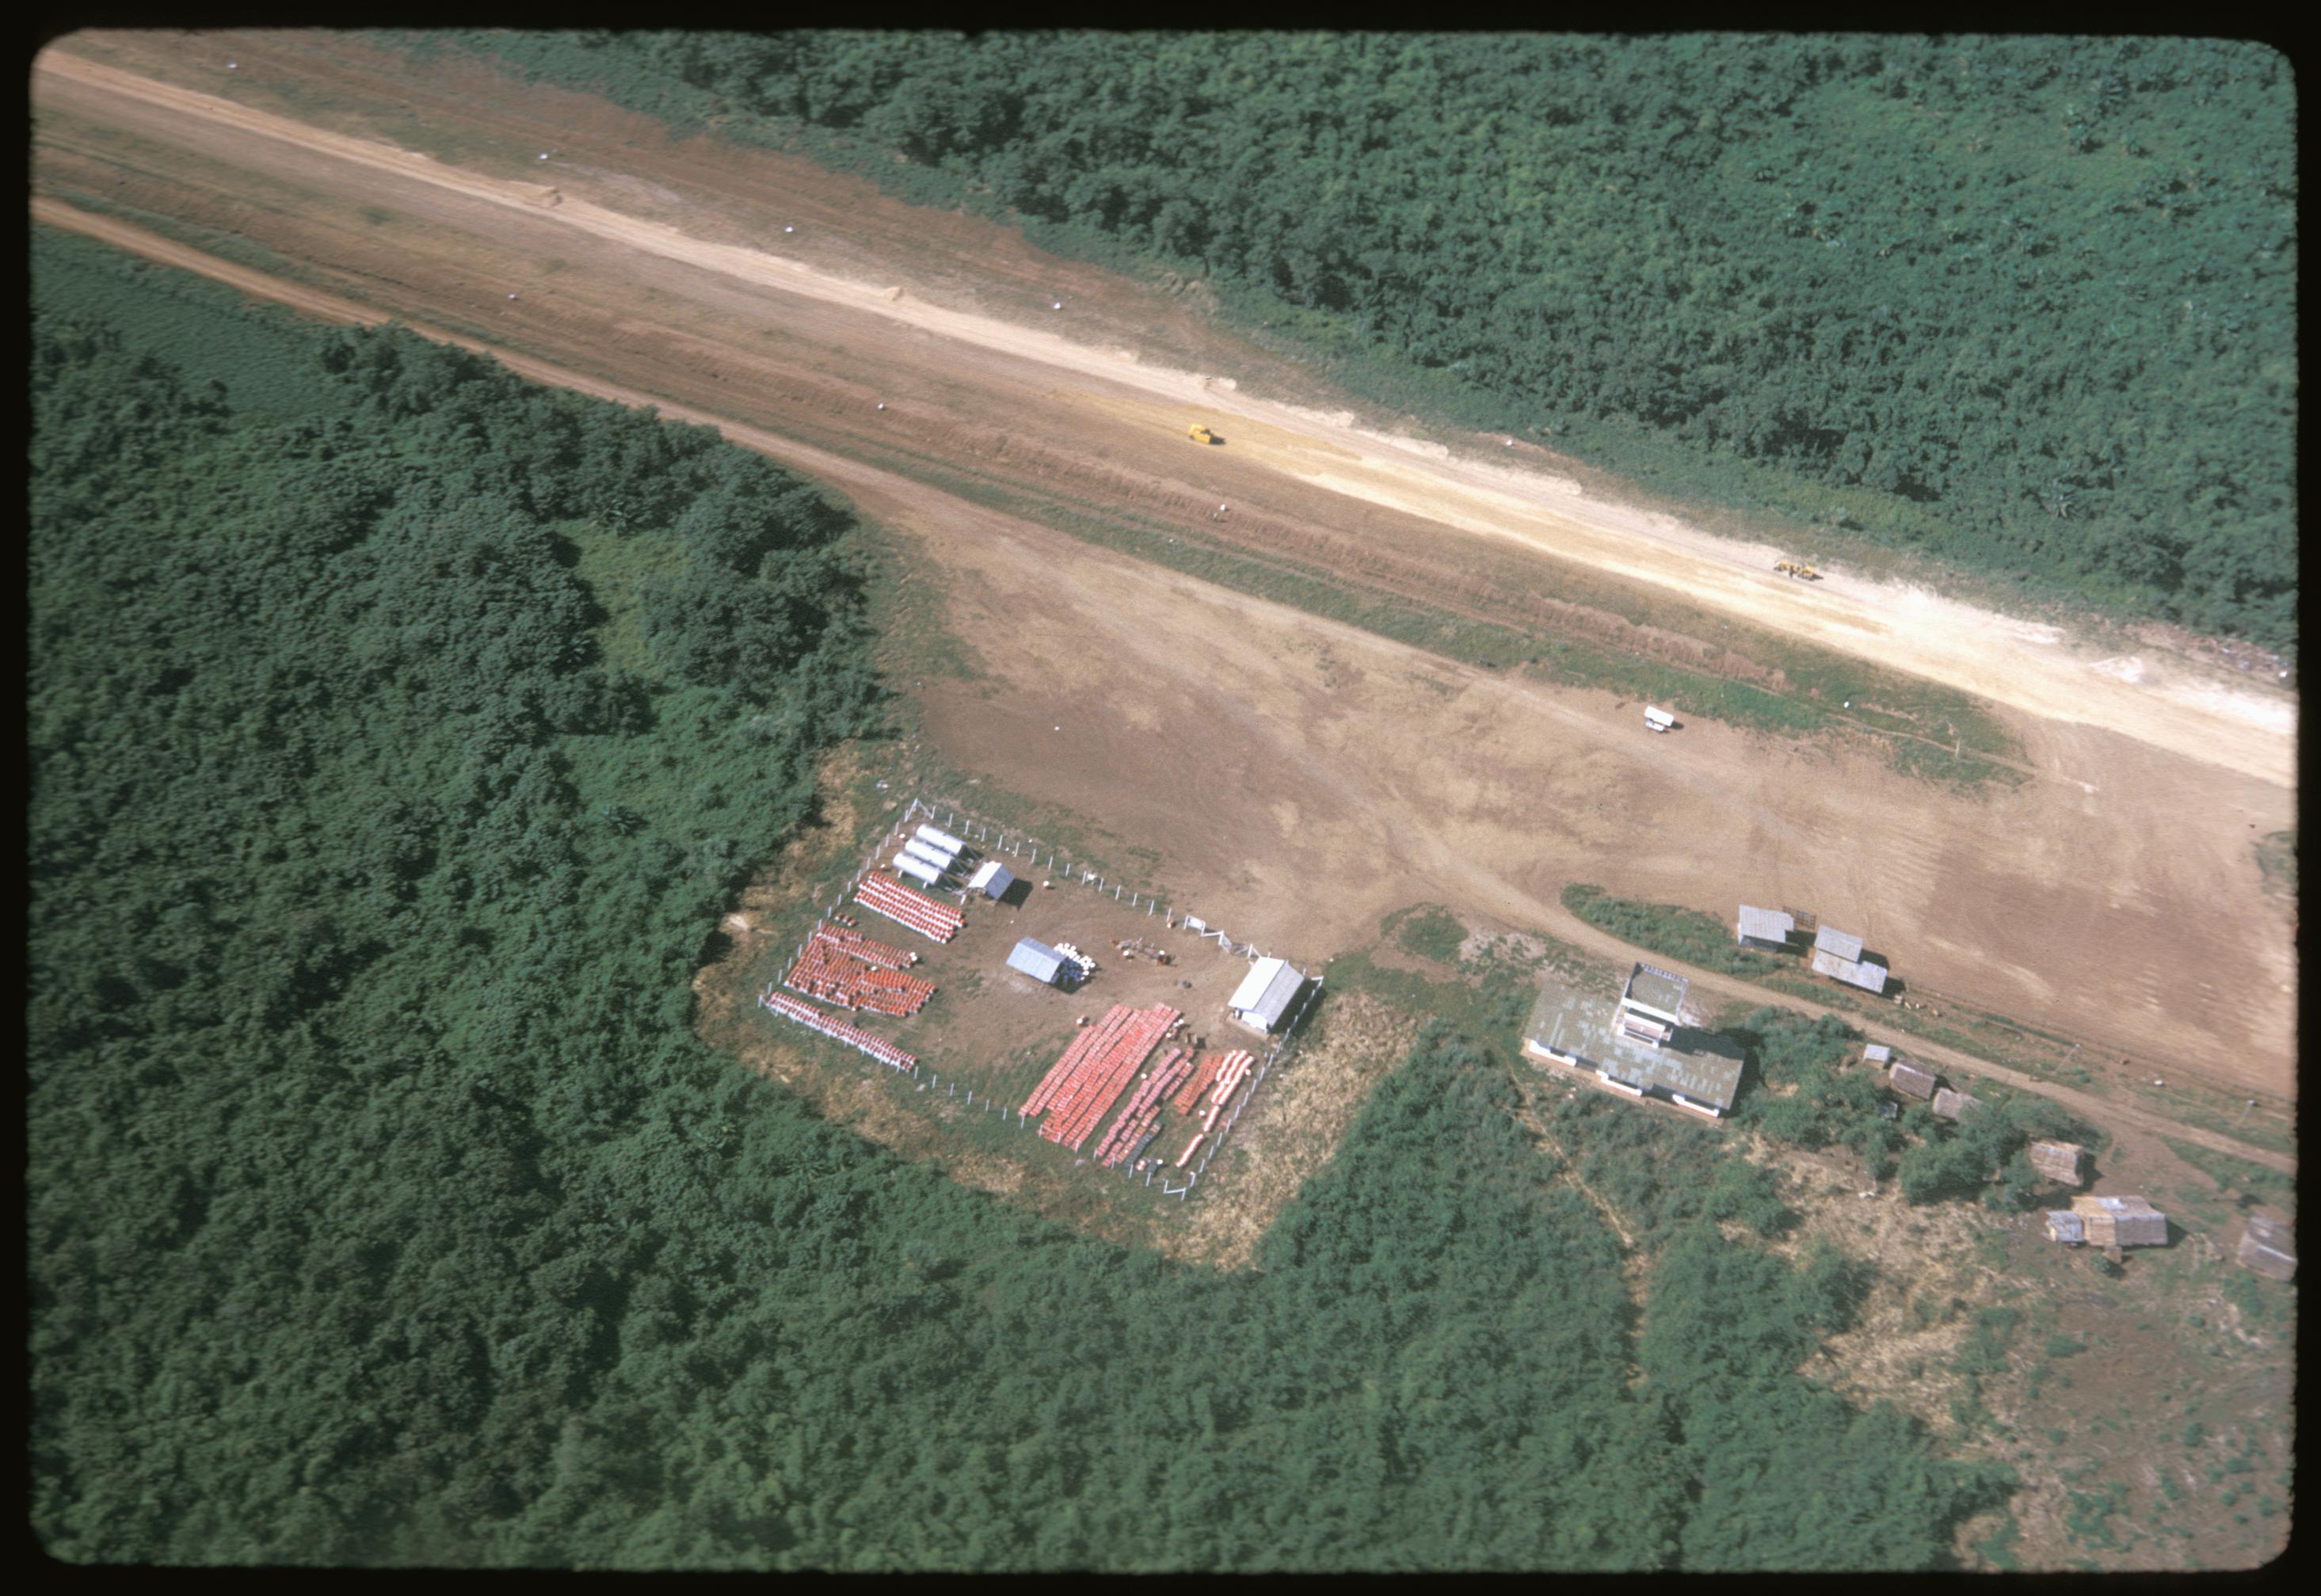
[(2064, 1346), (1427, 930), (614, 565), (1679, 933), (2276, 856)]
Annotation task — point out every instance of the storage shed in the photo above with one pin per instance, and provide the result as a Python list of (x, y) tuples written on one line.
[(1869, 977), (992, 879), (1910, 1080), (1769, 929), (2059, 1161), (2064, 1226), (1953, 1105), (1878, 1053), (2122, 1221), (1837, 944), (1658, 719), (2269, 1247), (1042, 963), (1262, 999)]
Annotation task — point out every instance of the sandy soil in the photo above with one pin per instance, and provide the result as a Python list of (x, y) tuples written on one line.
[(1339, 775)]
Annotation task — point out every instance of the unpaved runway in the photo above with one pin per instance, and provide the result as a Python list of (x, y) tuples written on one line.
[(1339, 775), (2025, 666)]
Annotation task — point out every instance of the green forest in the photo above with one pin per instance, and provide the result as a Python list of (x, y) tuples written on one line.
[(2026, 305), (399, 733)]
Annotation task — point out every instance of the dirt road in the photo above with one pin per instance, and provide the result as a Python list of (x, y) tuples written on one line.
[(2172, 706), (1339, 775)]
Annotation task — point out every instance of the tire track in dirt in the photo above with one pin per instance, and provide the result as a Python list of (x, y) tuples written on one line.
[(1905, 629)]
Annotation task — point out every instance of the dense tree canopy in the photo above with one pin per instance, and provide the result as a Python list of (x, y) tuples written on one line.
[(383, 1208), (2025, 303)]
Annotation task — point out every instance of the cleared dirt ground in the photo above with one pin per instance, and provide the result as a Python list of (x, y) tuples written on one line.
[(1338, 775)]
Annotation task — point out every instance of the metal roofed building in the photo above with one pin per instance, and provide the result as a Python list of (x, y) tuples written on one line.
[(1878, 1053), (2268, 1247), (2063, 1227), (1651, 1005), (1869, 977), (1042, 962), (2122, 1221), (1265, 994), (992, 879), (1692, 1068), (1769, 929), (1837, 943)]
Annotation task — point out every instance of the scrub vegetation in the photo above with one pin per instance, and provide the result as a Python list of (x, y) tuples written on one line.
[(400, 735)]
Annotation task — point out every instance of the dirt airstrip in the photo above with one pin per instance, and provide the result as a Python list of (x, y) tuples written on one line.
[(1302, 775)]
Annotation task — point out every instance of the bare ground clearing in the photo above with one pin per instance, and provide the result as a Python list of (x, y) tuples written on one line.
[(1327, 754)]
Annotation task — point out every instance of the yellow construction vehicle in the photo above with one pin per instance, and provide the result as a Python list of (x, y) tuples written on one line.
[(1199, 434), (1803, 573)]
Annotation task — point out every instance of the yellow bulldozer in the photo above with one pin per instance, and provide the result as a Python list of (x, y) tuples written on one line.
[(1200, 434), (1798, 570)]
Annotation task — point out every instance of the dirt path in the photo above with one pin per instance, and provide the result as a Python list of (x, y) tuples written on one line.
[(1339, 775), (2172, 706)]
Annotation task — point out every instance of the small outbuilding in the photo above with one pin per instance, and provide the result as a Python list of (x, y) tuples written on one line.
[(992, 879), (1042, 963), (1878, 1053), (2122, 1221), (1953, 1105), (1658, 719), (2059, 1161), (1261, 1002), (2268, 1247), (1911, 1081), (918, 870), (1769, 929), (1865, 973), (2065, 1228)]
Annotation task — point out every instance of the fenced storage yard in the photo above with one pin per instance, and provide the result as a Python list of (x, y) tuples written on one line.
[(1134, 1070)]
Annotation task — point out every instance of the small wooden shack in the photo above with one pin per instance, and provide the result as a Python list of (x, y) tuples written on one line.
[(2059, 1161), (2122, 1221), (1952, 1105), (1910, 1080), (2268, 1247)]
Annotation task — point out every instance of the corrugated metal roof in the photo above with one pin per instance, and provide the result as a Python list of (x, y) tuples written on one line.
[(2065, 1226), (992, 879), (1036, 959), (1767, 925), (1253, 985), (1271, 1001), (1869, 977), (1705, 1069), (1878, 1053), (1844, 945)]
